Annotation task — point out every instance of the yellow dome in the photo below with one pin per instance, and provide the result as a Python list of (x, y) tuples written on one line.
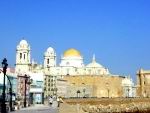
[(72, 52)]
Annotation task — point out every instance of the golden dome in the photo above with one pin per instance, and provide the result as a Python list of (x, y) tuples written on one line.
[(72, 52)]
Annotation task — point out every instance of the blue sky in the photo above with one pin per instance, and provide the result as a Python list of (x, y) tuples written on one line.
[(117, 31)]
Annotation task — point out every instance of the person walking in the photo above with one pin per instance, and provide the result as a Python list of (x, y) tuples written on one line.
[(50, 101)]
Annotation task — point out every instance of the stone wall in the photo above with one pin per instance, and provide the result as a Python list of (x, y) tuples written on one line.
[(101, 105), (95, 86)]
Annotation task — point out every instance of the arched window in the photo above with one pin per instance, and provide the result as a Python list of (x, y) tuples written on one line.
[(20, 55), (68, 71), (24, 56), (48, 61)]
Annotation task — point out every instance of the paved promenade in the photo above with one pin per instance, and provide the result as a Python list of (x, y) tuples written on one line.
[(38, 109)]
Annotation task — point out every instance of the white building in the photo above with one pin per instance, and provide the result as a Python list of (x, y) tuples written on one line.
[(23, 57), (36, 88), (71, 64), (129, 88)]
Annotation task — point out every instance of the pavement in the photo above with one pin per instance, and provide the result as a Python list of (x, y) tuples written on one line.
[(38, 109)]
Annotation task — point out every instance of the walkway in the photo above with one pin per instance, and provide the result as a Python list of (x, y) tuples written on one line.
[(38, 109)]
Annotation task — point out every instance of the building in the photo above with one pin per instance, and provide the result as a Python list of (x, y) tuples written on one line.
[(95, 86), (62, 87), (11, 78), (23, 63), (143, 83), (99, 82), (129, 88), (36, 88), (23, 88), (71, 64)]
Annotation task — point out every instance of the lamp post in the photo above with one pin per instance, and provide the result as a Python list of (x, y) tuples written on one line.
[(4, 66)]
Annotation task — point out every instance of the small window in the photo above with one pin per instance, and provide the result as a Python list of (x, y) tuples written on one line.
[(83, 83), (47, 61), (89, 71), (20, 55), (68, 71), (24, 56), (67, 63)]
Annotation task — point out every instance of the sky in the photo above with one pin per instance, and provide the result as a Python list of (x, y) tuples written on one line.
[(116, 31)]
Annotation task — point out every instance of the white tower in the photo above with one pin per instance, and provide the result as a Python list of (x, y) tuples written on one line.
[(23, 57), (50, 58)]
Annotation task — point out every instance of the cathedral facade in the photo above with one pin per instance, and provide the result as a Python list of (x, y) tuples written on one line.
[(71, 64)]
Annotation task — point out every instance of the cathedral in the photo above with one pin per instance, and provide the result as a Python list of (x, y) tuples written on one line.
[(71, 62), (71, 76)]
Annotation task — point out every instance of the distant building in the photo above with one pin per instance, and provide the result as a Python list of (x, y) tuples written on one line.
[(129, 89), (143, 83), (36, 88)]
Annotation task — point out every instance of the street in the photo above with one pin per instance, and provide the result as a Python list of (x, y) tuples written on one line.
[(38, 109)]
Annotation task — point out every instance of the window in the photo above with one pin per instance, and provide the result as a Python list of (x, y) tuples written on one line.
[(68, 71), (20, 55), (47, 61), (83, 83), (24, 56), (89, 71), (67, 63)]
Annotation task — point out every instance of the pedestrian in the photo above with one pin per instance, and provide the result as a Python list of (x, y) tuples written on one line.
[(58, 101), (50, 100)]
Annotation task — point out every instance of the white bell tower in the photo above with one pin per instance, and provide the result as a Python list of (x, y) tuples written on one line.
[(23, 57), (50, 58)]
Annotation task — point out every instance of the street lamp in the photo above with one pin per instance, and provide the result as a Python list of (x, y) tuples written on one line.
[(10, 92), (4, 66)]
